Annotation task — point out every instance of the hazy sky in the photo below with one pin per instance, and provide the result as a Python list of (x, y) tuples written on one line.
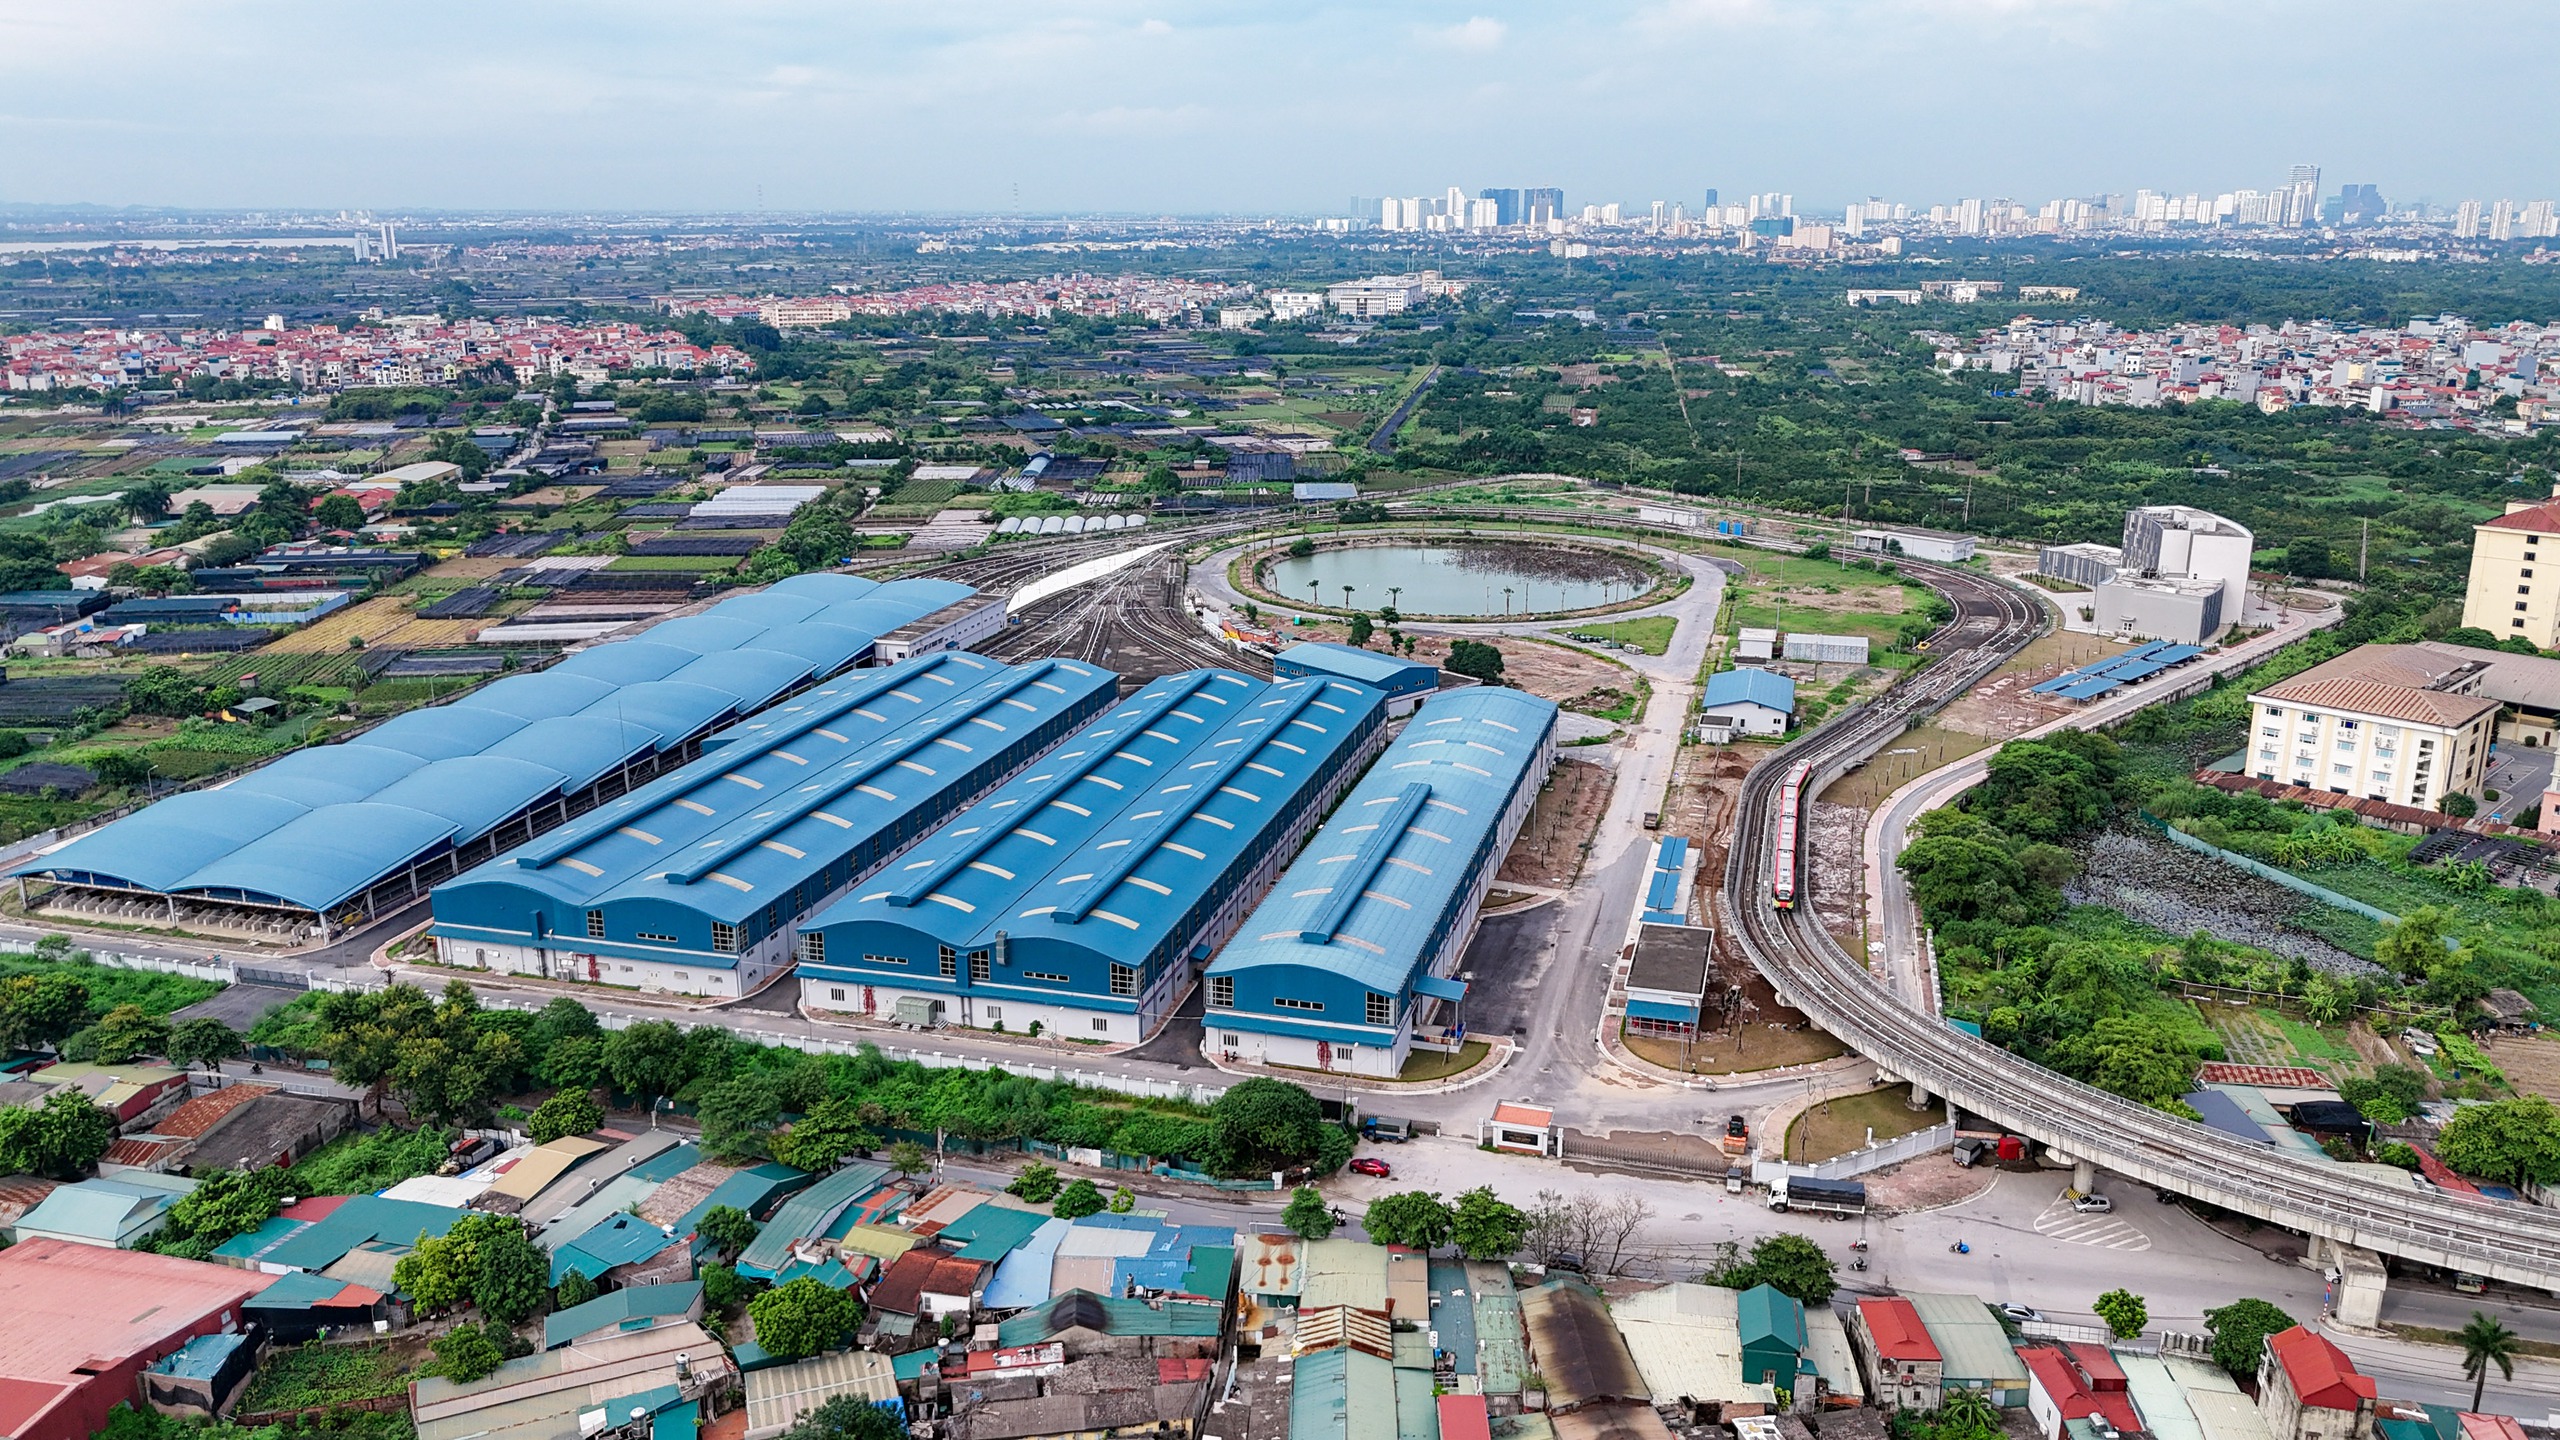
[(1183, 107)]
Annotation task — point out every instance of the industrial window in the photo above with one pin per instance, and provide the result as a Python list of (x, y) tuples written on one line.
[(888, 960), (835, 992), (773, 917), (813, 948), (1102, 1024), (1222, 992), (1380, 1010), (2520, 604), (1286, 1003), (1040, 975), (595, 924), (950, 962), (1124, 980), (724, 938), (979, 971), (661, 939)]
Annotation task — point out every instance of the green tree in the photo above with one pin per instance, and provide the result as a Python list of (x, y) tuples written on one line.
[(1788, 1263), (1261, 1125), (646, 1060), (803, 1317), (1476, 660), (145, 501), (433, 1053), (1037, 1183), (223, 1204), (2458, 805), (123, 769), (848, 1417), (825, 1135), (2135, 1056), (2240, 1330), (41, 1010), (2510, 1141), (2125, 1313), (1362, 627), (1079, 1199), (571, 1062), (1307, 1216), (574, 1290), (205, 1041), (737, 1119), (2047, 789), (163, 690), (339, 512), (2416, 945), (1123, 1199), (467, 1352), (722, 1287), (1416, 1218), (123, 1034), (909, 1158), (571, 1112), (1484, 1227), (729, 1228), (1967, 1415), (61, 1138), (2486, 1342), (511, 1276)]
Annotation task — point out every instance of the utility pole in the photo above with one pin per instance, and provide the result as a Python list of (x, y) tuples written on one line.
[(1968, 501), (2364, 544)]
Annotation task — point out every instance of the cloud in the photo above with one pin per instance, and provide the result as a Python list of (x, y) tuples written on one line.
[(1155, 27), (1476, 32)]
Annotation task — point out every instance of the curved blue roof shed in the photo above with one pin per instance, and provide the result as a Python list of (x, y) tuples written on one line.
[(1083, 893), (1370, 921), (322, 859), (693, 881), (609, 715)]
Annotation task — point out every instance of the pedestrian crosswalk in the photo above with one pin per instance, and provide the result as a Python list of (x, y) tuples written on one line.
[(2060, 1222)]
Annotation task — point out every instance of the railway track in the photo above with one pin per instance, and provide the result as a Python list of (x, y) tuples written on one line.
[(2512, 1242)]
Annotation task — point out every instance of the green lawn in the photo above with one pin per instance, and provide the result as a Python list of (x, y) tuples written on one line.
[(1650, 634)]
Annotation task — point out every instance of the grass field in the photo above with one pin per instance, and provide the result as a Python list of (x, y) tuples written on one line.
[(1651, 634), (701, 564), (1836, 1127), (1759, 1047)]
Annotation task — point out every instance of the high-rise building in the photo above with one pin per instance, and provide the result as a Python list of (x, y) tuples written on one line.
[(2538, 221), (2502, 221), (2302, 196), (1506, 204), (2466, 220), (1541, 204), (1711, 197)]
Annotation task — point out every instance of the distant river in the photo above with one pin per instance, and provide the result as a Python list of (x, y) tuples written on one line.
[(1461, 579)]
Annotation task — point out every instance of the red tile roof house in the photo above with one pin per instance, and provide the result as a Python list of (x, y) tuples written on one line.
[(79, 1324), (2309, 1390), (1904, 1369), (2077, 1382)]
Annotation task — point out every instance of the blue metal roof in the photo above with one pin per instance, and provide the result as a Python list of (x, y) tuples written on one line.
[(1116, 847), (583, 718), (441, 733), (475, 792), (1386, 672), (1379, 887), (831, 783), (1749, 685), (627, 663), (329, 855)]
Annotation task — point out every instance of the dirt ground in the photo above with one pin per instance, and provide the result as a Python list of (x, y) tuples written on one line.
[(1769, 1035), (1926, 1182), (1549, 849), (2531, 1063), (384, 619), (1837, 840), (1705, 780), (1550, 672)]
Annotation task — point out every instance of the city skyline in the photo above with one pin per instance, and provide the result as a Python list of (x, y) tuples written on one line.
[(1182, 107)]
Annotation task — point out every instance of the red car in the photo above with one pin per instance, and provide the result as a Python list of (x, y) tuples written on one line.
[(1366, 1166)]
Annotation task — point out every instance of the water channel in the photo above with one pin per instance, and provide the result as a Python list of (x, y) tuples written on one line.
[(1461, 578)]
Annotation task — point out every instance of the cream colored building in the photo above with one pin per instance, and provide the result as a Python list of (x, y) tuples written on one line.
[(2506, 596), (2405, 724)]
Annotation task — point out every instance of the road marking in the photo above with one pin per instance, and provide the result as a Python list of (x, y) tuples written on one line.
[(2060, 1222)]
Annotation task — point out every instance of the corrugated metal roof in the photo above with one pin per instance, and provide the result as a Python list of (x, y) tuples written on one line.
[(618, 1309), (779, 1395), (298, 830), (362, 1218), (1974, 1347), (830, 774), (1386, 672), (1411, 836), (1687, 1340), (1105, 849), (64, 1306), (1344, 1272), (808, 1213), (1580, 1352), (1502, 1345), (546, 1163), (1342, 1394), (1746, 685)]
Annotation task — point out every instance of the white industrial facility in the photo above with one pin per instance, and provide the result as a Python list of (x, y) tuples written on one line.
[(2182, 574)]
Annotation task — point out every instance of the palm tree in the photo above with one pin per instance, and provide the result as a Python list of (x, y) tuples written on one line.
[(1968, 1412), (2485, 1342)]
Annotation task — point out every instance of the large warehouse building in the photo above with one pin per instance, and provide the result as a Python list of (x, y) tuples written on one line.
[(693, 882), (336, 834), (1081, 896), (1372, 919)]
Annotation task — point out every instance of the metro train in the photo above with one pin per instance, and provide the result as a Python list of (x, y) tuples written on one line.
[(1782, 889)]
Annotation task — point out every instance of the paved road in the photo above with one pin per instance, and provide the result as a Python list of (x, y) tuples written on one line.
[(1898, 947)]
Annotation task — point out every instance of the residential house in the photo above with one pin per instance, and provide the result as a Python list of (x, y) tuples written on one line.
[(2309, 1390), (1903, 1366)]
